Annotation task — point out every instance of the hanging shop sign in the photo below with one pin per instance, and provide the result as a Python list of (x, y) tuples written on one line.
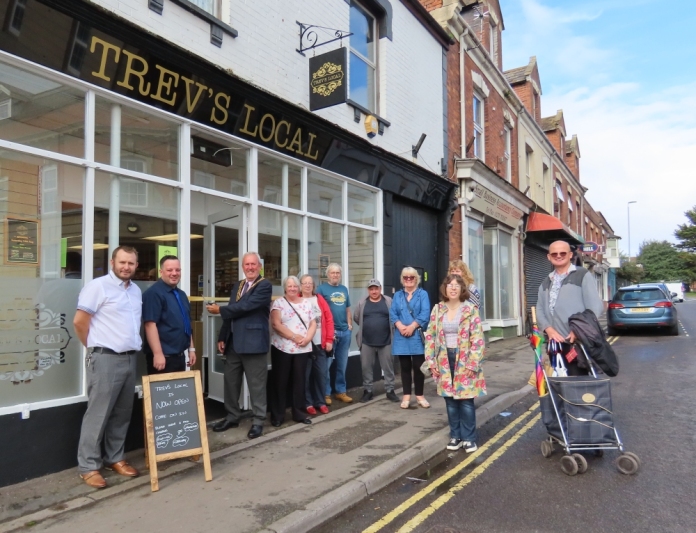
[(327, 79), (494, 206), (590, 247)]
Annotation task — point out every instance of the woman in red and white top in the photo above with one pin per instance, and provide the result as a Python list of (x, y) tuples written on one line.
[(293, 323)]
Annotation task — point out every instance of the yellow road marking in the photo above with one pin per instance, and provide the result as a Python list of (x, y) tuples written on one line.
[(393, 514), (442, 500)]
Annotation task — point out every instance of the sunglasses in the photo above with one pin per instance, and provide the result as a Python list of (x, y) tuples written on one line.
[(409, 278), (557, 255)]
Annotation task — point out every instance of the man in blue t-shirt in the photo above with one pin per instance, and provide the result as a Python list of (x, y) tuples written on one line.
[(336, 295), (166, 314)]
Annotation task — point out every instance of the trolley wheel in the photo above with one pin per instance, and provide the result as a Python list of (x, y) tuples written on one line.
[(599, 453), (546, 448), (626, 464), (582, 463), (631, 454), (569, 466)]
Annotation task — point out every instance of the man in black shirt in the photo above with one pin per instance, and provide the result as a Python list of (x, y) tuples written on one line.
[(375, 338)]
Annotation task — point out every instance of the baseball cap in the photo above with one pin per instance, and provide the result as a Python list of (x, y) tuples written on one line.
[(373, 283)]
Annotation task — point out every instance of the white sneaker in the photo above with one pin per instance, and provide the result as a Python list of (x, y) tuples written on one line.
[(454, 444), (469, 446)]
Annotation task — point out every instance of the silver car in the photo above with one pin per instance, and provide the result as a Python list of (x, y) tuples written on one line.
[(642, 306)]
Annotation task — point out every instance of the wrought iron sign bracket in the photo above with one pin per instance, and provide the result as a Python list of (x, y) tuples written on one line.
[(309, 38)]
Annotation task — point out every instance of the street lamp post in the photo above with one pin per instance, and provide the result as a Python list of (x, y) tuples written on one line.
[(628, 214)]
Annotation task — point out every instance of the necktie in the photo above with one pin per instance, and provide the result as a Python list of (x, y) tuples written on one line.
[(187, 321), (246, 288)]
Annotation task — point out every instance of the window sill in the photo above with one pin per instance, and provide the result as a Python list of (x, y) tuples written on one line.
[(358, 110), (217, 27)]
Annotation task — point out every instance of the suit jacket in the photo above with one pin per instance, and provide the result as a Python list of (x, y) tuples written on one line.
[(245, 323)]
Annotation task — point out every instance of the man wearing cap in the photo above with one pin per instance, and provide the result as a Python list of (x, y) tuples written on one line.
[(374, 339)]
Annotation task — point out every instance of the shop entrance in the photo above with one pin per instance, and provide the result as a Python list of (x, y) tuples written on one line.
[(224, 244)]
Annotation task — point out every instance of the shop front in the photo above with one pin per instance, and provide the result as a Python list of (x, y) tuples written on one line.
[(108, 137), (492, 213)]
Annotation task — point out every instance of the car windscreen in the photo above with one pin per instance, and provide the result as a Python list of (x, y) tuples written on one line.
[(640, 295)]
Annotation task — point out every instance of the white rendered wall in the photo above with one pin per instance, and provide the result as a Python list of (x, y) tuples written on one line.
[(410, 65)]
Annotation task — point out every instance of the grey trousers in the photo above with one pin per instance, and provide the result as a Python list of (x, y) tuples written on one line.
[(386, 362), (255, 366), (110, 392)]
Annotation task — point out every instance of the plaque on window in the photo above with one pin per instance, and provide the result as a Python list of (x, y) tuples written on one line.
[(22, 241), (328, 79)]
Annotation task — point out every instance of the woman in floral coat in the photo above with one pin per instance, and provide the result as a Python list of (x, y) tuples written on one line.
[(454, 352)]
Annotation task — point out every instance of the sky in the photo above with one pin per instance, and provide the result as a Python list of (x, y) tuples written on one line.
[(624, 74)]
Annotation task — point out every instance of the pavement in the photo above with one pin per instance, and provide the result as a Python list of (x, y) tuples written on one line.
[(291, 479)]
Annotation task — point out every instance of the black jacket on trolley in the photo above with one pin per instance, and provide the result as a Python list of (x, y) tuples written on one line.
[(591, 335)]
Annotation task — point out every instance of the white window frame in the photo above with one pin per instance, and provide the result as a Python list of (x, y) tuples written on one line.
[(479, 127), (185, 188), (507, 139), (370, 64)]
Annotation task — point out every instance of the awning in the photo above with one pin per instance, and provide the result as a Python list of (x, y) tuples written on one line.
[(552, 228)]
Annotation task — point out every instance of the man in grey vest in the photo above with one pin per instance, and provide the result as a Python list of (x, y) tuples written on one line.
[(566, 291)]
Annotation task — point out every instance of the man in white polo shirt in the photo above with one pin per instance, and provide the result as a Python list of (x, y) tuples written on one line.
[(107, 322)]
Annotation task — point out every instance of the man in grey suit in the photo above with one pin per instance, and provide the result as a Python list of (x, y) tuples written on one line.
[(244, 339)]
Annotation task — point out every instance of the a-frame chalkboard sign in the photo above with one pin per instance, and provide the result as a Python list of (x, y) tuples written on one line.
[(174, 420)]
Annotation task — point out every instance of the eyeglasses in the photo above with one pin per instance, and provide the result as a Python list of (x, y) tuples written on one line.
[(454, 286), (558, 255), (409, 278)]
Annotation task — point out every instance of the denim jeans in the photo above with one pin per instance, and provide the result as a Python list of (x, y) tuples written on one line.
[(340, 351), (461, 414), (316, 380)]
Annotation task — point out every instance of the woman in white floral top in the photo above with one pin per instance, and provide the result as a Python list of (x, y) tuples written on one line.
[(293, 323)]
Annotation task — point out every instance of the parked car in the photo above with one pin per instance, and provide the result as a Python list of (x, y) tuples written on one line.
[(642, 306), (676, 287)]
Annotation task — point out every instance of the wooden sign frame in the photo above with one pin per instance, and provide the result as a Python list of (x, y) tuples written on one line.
[(151, 457)]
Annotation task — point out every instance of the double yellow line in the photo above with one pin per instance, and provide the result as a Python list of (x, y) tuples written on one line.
[(439, 502)]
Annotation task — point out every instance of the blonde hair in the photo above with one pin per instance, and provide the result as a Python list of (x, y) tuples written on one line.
[(410, 271), (467, 276)]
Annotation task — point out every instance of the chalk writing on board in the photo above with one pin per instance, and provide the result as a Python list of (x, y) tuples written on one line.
[(175, 415)]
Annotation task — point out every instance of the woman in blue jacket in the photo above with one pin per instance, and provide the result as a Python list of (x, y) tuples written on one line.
[(409, 314)]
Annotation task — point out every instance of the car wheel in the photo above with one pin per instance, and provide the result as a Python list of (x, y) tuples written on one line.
[(674, 330), (612, 331)]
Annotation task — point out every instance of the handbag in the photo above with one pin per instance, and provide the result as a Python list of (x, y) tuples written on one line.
[(316, 350), (419, 329)]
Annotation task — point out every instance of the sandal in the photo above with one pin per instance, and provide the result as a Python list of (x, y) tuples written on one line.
[(423, 402), (406, 402)]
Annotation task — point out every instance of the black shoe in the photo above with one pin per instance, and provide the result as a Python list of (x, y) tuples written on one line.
[(366, 397), (224, 425), (391, 396), (255, 431), (305, 421), (276, 423)]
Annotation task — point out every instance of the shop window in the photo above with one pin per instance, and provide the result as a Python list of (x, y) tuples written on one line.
[(41, 113), (278, 180), (361, 205), (280, 247), (324, 247), (498, 260), (143, 136), (476, 259), (324, 195), (363, 57), (218, 164), (361, 266), (150, 231), (478, 118), (41, 267)]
